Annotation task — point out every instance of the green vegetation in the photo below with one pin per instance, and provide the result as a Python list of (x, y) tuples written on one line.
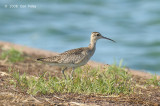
[(114, 80), (12, 55), (110, 80), (153, 81)]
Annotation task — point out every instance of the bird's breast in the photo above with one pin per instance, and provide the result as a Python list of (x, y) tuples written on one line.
[(87, 58)]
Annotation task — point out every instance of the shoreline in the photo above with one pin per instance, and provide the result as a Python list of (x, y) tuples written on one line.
[(39, 52)]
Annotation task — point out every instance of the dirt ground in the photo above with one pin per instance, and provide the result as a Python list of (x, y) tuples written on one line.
[(9, 95)]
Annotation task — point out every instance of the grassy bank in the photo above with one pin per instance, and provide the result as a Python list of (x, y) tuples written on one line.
[(112, 80), (32, 78)]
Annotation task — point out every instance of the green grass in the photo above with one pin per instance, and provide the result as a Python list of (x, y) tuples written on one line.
[(12, 55), (153, 81), (114, 80)]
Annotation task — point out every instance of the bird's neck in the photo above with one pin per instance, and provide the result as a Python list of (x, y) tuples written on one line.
[(92, 45)]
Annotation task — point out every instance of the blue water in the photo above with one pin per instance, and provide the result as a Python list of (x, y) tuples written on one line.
[(59, 25)]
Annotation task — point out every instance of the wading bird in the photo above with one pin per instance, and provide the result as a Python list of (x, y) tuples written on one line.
[(76, 57)]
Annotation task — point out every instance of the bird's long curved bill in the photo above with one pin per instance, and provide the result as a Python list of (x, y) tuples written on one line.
[(108, 39)]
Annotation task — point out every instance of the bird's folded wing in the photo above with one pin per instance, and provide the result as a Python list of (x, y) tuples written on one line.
[(74, 56)]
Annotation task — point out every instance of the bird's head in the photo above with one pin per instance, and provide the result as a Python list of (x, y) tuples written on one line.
[(96, 35)]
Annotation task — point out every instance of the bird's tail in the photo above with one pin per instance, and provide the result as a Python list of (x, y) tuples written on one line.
[(49, 59), (40, 59)]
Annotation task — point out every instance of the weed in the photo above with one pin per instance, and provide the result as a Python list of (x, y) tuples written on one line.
[(12, 55), (153, 81)]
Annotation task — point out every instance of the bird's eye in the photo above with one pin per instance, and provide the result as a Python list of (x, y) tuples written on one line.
[(98, 34)]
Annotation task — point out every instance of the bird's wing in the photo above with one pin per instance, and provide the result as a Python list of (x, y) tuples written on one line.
[(73, 56)]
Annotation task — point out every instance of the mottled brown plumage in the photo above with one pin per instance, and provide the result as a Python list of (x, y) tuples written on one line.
[(75, 57), (70, 57)]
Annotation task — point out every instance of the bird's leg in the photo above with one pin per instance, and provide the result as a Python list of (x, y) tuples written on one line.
[(72, 72), (63, 72)]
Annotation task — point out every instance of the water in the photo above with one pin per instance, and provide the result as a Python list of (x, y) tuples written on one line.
[(60, 25)]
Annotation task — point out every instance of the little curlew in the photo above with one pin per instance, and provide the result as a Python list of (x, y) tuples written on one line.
[(76, 57)]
